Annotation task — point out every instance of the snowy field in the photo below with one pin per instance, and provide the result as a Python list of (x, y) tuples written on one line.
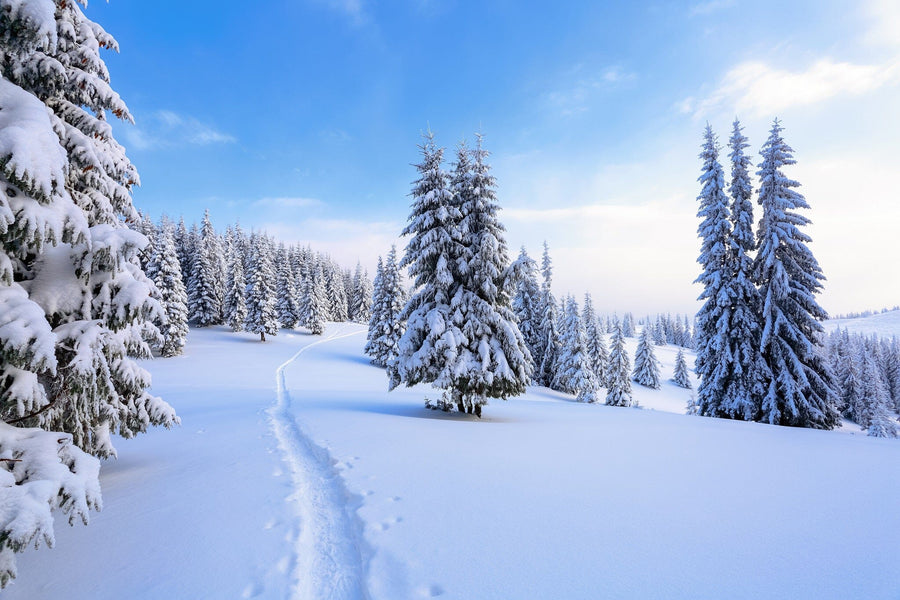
[(305, 478)]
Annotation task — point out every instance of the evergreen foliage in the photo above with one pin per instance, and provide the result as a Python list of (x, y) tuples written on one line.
[(260, 291), (172, 294), (797, 384), (618, 388), (681, 377), (646, 367), (575, 373)]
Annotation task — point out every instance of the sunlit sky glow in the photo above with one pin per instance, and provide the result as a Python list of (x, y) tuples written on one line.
[(302, 118)]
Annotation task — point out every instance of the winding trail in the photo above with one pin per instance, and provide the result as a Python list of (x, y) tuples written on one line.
[(330, 556)]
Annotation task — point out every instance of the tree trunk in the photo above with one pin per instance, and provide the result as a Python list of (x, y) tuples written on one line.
[(262, 336)]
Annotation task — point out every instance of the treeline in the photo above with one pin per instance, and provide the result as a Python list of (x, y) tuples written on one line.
[(867, 377), (249, 282), (865, 313)]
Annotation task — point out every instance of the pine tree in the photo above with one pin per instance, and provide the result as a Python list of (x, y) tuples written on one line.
[(619, 385), (574, 374), (548, 328), (172, 294), (596, 344), (376, 316), (286, 302), (204, 295), (386, 326), (628, 325), (526, 302), (76, 304), (361, 300), (487, 354), (681, 377), (260, 292), (317, 303), (184, 249), (646, 367), (798, 390), (712, 363), (234, 306)]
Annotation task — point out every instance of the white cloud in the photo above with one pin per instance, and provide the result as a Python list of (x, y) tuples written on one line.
[(885, 22), (754, 88), (168, 129), (578, 96)]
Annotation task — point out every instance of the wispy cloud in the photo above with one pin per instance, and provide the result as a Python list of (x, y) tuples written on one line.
[(755, 88), (578, 96), (167, 129), (706, 8), (885, 19)]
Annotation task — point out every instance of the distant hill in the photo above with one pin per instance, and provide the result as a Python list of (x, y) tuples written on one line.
[(884, 324)]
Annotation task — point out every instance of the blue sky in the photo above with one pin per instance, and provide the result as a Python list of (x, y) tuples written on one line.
[(302, 117)]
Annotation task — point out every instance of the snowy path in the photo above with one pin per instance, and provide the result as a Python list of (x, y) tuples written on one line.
[(330, 559)]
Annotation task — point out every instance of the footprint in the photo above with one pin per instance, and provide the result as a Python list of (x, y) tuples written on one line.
[(277, 472), (431, 591), (396, 499), (271, 523), (369, 493)]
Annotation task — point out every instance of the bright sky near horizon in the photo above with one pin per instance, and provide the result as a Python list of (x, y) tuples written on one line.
[(303, 117)]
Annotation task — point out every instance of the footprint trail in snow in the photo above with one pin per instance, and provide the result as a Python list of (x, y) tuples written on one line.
[(329, 557)]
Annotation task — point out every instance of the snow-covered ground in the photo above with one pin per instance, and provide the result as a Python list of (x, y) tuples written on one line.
[(296, 474), (884, 324)]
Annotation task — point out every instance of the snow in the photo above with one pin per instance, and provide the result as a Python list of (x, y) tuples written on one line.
[(885, 324), (542, 498)]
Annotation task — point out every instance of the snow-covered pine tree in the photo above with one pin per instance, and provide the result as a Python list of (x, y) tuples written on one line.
[(681, 377), (619, 384), (286, 301), (234, 305), (335, 293), (428, 345), (387, 329), (628, 325), (715, 234), (317, 303), (488, 357), (646, 367), (172, 294), (574, 373), (260, 292), (881, 423), (361, 300), (595, 342), (303, 270), (75, 303), (526, 302), (798, 390), (376, 314), (204, 297), (549, 324), (185, 251)]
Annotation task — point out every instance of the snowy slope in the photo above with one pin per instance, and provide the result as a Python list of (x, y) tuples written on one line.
[(884, 324), (543, 498)]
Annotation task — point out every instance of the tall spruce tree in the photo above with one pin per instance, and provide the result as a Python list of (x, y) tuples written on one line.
[(234, 306), (594, 339), (386, 326), (285, 290), (575, 373), (618, 392), (711, 338), (681, 377), (646, 367), (526, 303), (75, 302), (172, 293), (316, 301), (204, 297), (260, 292), (549, 324), (797, 386)]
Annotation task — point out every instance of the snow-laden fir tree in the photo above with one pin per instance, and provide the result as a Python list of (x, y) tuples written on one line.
[(618, 388), (628, 325), (646, 367), (361, 299), (204, 299), (713, 360), (549, 325), (185, 249), (375, 315), (172, 293), (526, 304), (595, 341), (316, 301), (574, 372), (797, 387), (234, 306), (681, 377), (484, 356), (335, 292), (286, 302), (386, 326), (75, 304), (259, 295)]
